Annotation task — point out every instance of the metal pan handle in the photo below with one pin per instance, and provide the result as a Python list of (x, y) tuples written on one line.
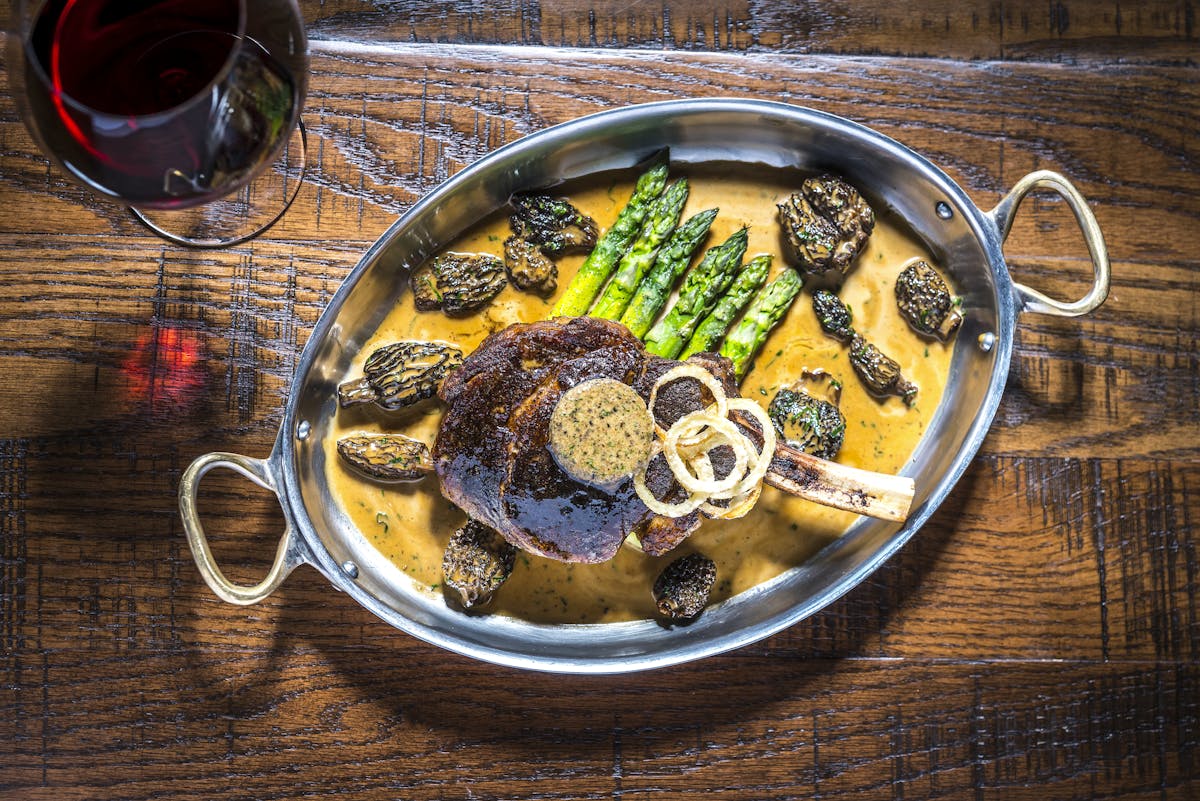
[(287, 556), (1006, 210)]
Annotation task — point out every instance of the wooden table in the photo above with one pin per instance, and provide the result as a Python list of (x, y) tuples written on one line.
[(1038, 639)]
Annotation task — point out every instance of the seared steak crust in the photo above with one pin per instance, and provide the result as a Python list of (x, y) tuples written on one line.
[(473, 445), (545, 509), (492, 455)]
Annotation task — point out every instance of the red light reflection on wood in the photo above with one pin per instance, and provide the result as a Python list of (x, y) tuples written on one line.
[(166, 369)]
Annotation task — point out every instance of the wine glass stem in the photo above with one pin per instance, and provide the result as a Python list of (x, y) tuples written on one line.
[(224, 242)]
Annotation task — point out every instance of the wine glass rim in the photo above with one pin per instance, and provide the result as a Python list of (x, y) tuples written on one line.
[(24, 23)]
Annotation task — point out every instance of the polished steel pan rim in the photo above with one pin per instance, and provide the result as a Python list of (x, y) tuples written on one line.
[(966, 241)]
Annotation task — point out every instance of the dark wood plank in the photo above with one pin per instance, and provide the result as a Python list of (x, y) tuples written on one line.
[(1157, 31), (418, 724)]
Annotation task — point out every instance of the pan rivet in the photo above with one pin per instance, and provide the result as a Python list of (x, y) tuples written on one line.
[(987, 341), (943, 210), (303, 430), (350, 569)]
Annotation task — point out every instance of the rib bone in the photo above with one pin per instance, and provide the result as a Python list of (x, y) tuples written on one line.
[(828, 483), (840, 486)]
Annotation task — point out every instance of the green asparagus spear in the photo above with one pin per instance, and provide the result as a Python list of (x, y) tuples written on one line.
[(600, 262), (766, 310), (660, 222), (704, 284), (709, 333), (670, 264)]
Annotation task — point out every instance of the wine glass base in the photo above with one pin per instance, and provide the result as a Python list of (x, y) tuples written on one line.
[(241, 216)]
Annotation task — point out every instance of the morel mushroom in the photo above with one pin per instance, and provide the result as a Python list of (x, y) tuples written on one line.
[(833, 315), (925, 301), (806, 422), (528, 267), (825, 225), (386, 457), (401, 374), (553, 224), (681, 591), (880, 374), (477, 561), (457, 283)]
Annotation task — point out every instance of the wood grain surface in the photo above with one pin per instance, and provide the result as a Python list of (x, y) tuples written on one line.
[(1039, 638)]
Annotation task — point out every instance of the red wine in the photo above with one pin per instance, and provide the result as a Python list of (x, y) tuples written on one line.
[(165, 103), (135, 58)]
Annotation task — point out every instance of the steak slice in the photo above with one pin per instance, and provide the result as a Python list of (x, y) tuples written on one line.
[(473, 443), (658, 534), (545, 509), (492, 454)]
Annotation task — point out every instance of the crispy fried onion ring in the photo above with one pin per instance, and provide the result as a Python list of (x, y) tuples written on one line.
[(686, 446)]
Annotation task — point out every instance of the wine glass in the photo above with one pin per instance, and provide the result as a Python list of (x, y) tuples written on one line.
[(169, 105)]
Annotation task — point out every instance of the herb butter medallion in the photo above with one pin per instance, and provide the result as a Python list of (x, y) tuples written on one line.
[(601, 432)]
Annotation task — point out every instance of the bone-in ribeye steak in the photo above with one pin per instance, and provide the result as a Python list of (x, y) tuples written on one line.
[(492, 455)]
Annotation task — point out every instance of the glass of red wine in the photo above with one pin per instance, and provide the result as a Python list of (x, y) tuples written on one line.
[(173, 107)]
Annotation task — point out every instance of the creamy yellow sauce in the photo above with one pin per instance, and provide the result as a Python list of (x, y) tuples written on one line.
[(411, 524)]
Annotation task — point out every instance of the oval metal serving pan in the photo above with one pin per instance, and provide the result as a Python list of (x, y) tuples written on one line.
[(964, 240)]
